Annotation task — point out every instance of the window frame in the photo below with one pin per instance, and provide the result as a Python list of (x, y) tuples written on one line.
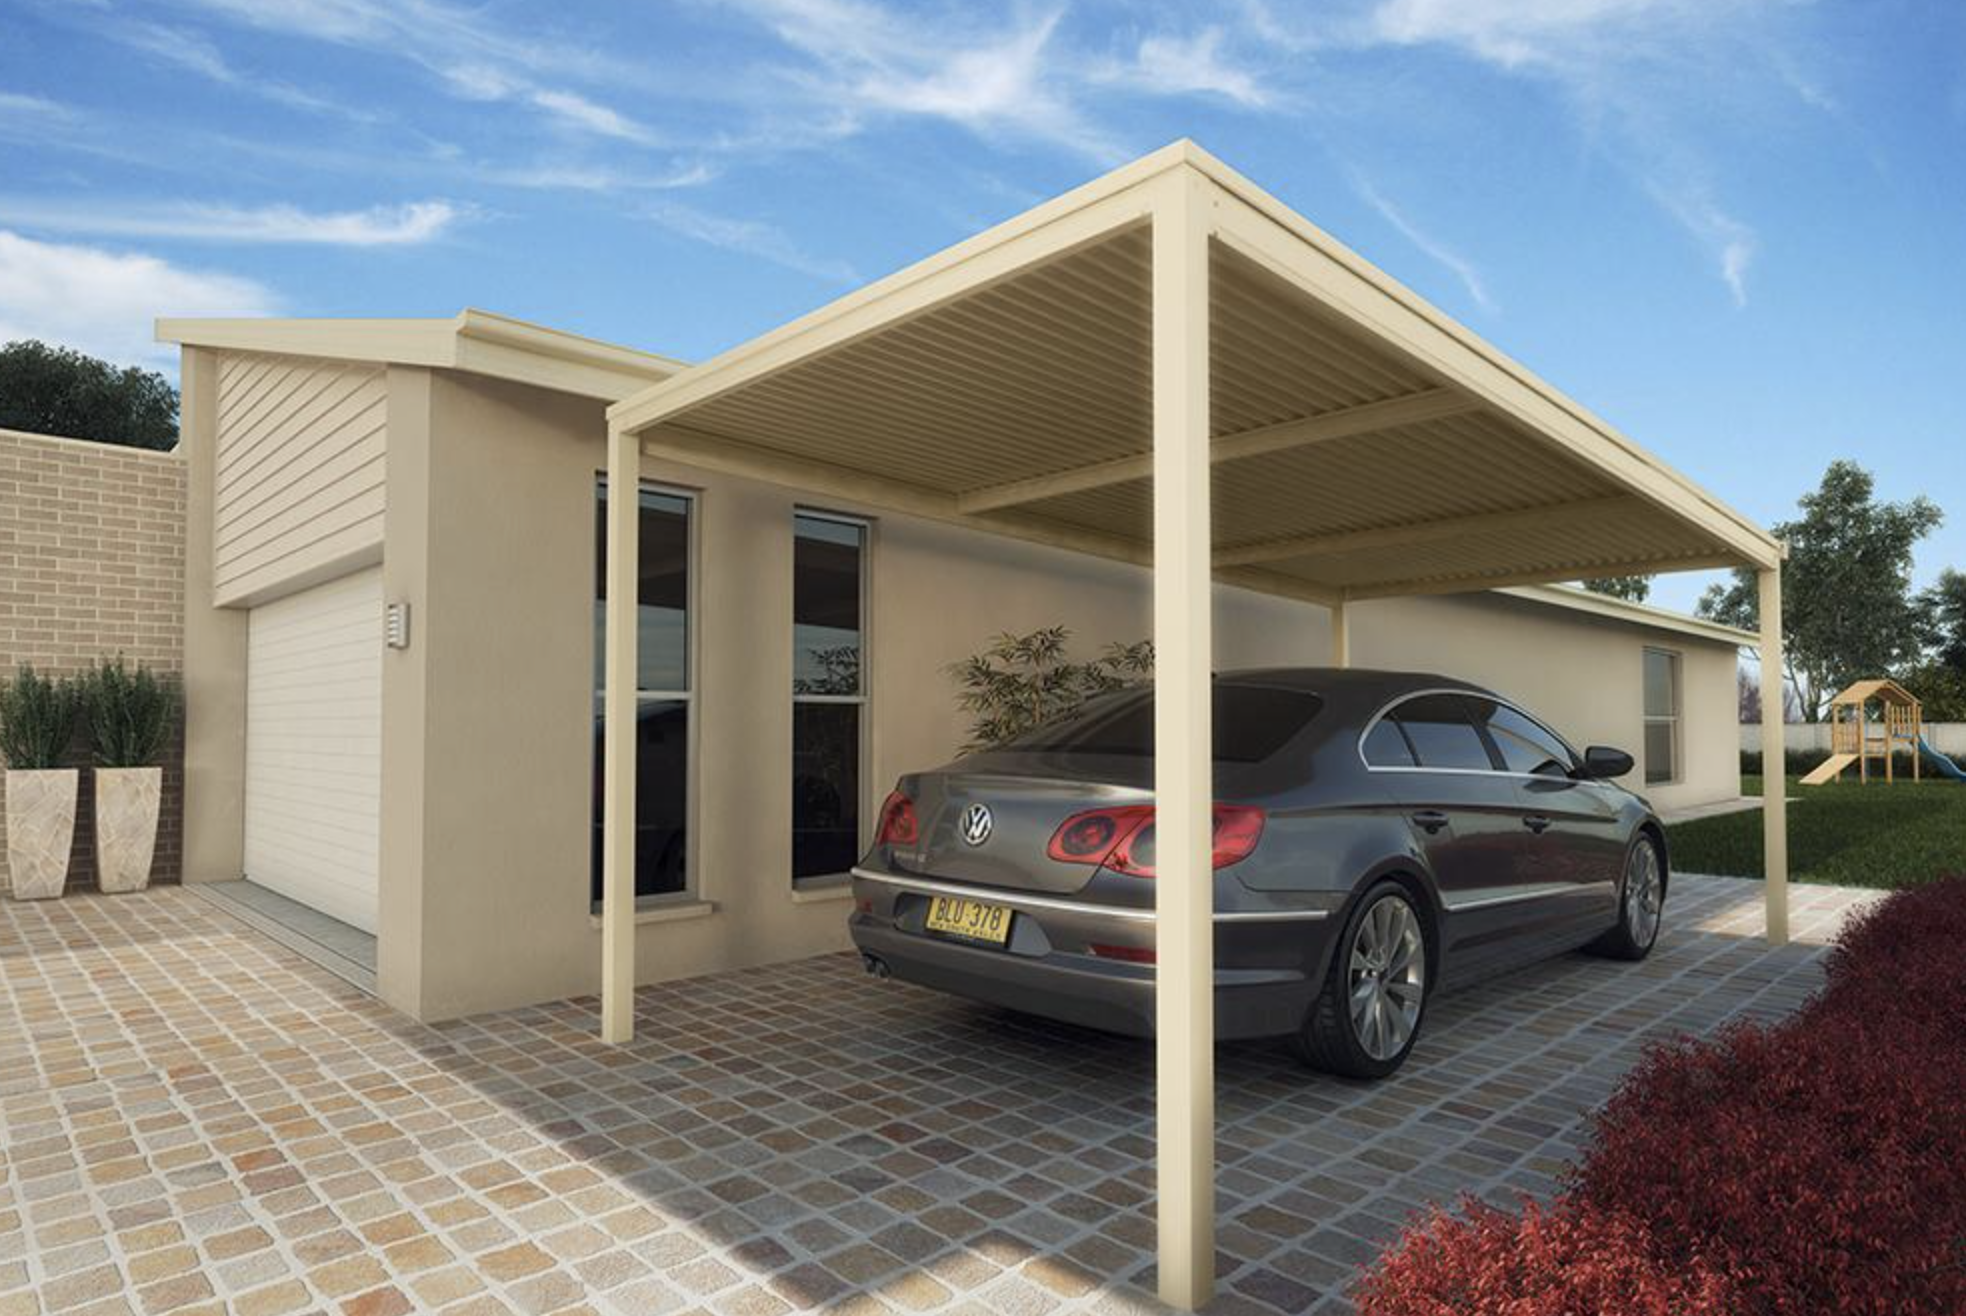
[(1673, 721), (692, 638), (864, 699), (1494, 753)]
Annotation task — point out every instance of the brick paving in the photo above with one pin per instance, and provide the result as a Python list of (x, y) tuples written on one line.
[(194, 1120)]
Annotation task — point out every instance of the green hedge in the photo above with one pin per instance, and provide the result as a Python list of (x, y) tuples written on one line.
[(1801, 762)]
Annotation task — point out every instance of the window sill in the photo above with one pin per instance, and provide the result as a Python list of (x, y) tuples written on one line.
[(678, 912), (822, 890)]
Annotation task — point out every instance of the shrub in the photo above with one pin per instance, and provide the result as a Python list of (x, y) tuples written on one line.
[(37, 718), (130, 713), (1023, 681), (1805, 1167)]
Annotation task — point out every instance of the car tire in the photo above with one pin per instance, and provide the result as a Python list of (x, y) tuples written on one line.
[(1641, 903), (1368, 1014)]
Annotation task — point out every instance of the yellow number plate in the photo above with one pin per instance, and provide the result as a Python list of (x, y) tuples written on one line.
[(969, 918)]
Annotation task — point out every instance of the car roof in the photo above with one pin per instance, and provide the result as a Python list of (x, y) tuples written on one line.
[(1350, 684)]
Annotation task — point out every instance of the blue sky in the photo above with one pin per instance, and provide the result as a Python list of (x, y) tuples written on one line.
[(1735, 228)]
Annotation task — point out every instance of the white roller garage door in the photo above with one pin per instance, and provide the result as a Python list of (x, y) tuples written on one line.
[(314, 746)]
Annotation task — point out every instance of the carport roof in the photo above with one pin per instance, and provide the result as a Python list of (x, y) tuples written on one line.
[(1364, 445)]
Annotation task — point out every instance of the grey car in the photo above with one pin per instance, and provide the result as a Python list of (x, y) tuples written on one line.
[(1379, 837)]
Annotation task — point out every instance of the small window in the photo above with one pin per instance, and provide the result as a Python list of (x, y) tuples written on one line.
[(1441, 733), (1525, 745), (829, 692), (1661, 716), (1386, 747), (1252, 722)]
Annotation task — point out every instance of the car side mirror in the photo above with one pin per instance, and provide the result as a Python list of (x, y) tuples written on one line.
[(1601, 763)]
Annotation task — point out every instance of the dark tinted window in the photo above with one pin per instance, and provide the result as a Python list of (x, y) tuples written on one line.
[(1525, 745), (1252, 722), (1386, 747), (1441, 733)]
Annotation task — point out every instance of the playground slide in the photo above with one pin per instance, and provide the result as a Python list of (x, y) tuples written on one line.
[(1943, 762), (1828, 770)]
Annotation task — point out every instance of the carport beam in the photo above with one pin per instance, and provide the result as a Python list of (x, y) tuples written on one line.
[(1341, 634), (1774, 757), (618, 741), (1184, 995)]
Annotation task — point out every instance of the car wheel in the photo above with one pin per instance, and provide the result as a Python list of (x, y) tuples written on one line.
[(1641, 904), (1367, 1017)]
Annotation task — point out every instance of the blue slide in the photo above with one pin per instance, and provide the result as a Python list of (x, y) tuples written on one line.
[(1943, 762)]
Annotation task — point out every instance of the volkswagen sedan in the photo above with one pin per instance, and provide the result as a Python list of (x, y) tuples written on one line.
[(1379, 837)]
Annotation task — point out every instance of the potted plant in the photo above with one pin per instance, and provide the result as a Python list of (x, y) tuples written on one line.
[(37, 721), (130, 712)]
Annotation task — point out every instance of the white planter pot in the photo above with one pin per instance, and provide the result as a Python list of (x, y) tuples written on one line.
[(40, 829), (127, 801)]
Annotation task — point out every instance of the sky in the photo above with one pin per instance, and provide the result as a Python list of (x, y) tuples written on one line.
[(1736, 229)]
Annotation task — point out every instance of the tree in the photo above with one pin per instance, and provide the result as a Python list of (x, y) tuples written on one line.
[(1634, 589), (1848, 608), (57, 390), (1947, 601)]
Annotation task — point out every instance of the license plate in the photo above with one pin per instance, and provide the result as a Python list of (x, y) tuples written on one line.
[(970, 919)]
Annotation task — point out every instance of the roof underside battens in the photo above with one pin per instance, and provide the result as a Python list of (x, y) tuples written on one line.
[(1355, 454)]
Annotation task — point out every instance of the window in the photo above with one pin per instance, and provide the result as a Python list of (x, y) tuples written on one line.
[(1525, 744), (829, 692), (1386, 747), (662, 692), (1661, 716), (1251, 723), (1438, 728)]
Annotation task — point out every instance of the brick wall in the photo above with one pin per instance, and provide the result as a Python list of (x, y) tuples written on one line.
[(91, 565)]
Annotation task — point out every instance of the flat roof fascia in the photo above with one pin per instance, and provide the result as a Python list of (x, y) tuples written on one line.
[(1575, 599), (478, 342)]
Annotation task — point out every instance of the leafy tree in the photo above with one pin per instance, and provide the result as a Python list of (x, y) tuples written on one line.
[(1634, 589), (1941, 688), (1947, 601), (1847, 604), (57, 390), (1023, 681)]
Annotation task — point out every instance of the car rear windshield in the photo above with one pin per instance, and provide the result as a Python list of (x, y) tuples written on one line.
[(1252, 722)]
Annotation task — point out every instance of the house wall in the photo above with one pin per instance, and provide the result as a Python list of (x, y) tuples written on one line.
[(488, 748), (297, 492), (92, 565)]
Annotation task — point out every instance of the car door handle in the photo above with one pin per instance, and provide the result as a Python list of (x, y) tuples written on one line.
[(1537, 822), (1430, 820)]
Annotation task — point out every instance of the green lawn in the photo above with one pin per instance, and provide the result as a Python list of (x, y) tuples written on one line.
[(1898, 835)]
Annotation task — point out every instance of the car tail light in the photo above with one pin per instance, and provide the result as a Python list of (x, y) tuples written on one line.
[(1122, 839), (899, 825), (1130, 954)]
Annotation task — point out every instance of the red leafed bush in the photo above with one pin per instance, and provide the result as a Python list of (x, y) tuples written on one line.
[(1555, 1262), (1816, 1167)]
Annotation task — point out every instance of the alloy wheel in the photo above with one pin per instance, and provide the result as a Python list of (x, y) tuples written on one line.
[(1387, 977), (1645, 895)]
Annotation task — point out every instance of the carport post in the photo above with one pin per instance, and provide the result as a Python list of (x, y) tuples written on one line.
[(1774, 758), (618, 743), (1341, 635), (1184, 993)]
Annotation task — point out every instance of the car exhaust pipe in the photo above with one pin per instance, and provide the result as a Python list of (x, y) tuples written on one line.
[(876, 966)]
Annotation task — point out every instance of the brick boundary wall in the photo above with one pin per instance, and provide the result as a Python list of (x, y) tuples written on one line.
[(92, 565)]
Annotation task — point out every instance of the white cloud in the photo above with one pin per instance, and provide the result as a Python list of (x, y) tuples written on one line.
[(1458, 265), (750, 237), (187, 50), (1512, 32), (1730, 242), (378, 226), (17, 105), (103, 302), (577, 111), (596, 178), (1195, 64)]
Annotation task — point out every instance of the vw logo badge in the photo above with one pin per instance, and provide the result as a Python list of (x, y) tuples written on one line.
[(977, 824)]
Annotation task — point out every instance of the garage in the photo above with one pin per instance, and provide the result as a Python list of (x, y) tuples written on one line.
[(314, 746)]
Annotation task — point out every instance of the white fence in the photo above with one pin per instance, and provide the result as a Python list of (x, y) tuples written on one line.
[(1946, 737)]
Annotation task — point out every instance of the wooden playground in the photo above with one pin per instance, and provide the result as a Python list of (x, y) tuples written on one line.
[(1856, 738)]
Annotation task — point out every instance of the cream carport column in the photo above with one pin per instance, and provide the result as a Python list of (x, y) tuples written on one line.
[(1184, 995), (1341, 634), (1774, 750), (618, 743)]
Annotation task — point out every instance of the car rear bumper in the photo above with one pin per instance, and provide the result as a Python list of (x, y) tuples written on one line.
[(1266, 969)]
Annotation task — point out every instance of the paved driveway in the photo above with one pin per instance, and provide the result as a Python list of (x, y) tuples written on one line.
[(191, 1117)]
